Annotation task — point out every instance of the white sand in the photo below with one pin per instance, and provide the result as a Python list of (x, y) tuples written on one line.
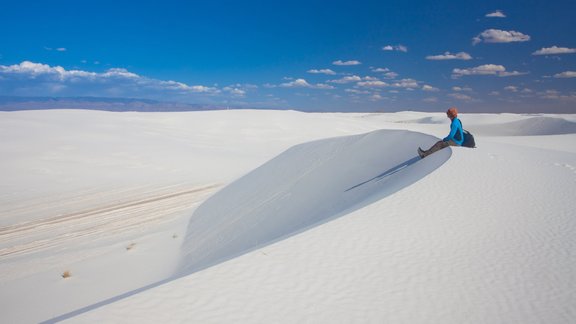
[(280, 216)]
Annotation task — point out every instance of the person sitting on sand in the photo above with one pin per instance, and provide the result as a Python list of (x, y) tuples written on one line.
[(455, 138)]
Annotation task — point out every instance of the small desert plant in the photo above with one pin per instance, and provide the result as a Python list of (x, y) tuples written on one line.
[(174, 236), (130, 246), (66, 274)]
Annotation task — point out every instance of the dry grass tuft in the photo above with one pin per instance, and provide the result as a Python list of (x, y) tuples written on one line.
[(66, 274), (130, 247)]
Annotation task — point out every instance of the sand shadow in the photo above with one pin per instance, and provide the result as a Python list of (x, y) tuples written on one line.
[(388, 172), (304, 187)]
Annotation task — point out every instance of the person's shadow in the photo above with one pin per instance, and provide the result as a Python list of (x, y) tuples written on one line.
[(388, 172)]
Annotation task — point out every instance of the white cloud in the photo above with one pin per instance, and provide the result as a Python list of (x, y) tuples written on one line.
[(557, 95), (512, 73), (460, 96), (179, 86), (565, 75), (376, 97), (430, 99), (235, 91), (487, 69), (58, 49), (391, 75), (500, 36), (550, 94), (429, 88), (373, 84), (554, 50), (302, 83), (354, 91), (201, 88), (123, 82), (386, 72), (297, 83), (353, 78), (449, 56), (496, 14), (35, 70), (122, 73), (323, 86), (322, 71), (398, 48), (27, 69), (516, 89), (458, 89), (347, 79), (346, 63), (406, 83)]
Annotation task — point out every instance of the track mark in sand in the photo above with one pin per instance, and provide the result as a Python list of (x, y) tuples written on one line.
[(98, 222), (78, 215)]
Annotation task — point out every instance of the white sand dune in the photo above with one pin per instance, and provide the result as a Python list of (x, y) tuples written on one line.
[(256, 216), (274, 201), (534, 126)]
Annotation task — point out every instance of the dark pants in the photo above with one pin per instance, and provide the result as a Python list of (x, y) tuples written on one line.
[(438, 146)]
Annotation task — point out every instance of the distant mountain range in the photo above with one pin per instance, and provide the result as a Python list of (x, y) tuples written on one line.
[(97, 103)]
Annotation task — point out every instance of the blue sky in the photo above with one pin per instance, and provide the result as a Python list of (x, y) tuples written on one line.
[(494, 56)]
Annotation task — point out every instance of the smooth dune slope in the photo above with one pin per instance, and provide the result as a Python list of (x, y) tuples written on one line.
[(304, 186)]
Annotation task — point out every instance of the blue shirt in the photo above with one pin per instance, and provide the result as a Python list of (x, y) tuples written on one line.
[(456, 132)]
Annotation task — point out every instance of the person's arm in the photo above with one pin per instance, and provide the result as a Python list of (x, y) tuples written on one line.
[(453, 129)]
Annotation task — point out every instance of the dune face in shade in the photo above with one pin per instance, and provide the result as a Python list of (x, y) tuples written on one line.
[(305, 186)]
